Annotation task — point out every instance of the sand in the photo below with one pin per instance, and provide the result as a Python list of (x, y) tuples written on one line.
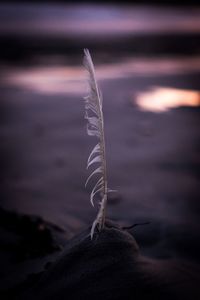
[(153, 162), (111, 267), (152, 156)]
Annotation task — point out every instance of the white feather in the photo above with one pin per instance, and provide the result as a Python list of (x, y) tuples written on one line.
[(95, 127)]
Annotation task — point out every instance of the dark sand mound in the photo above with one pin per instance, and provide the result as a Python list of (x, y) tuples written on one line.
[(32, 237), (28, 243), (110, 267)]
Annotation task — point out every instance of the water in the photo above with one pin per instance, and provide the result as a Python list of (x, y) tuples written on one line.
[(99, 21)]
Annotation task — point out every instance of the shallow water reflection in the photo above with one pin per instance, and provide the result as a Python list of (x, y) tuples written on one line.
[(72, 79)]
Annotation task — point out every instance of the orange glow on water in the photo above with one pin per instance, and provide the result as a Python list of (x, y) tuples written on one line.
[(160, 99)]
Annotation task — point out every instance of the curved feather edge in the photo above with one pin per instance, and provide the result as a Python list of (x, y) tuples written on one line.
[(95, 150), (98, 170)]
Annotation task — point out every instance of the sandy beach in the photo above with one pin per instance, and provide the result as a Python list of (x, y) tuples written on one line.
[(153, 163)]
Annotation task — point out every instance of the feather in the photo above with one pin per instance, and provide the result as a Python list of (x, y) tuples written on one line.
[(95, 127)]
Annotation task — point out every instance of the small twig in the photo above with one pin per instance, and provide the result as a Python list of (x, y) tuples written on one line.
[(134, 225)]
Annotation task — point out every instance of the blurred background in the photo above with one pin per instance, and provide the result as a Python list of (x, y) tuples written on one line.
[(147, 59)]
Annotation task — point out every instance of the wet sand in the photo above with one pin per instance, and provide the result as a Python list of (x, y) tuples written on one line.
[(153, 162)]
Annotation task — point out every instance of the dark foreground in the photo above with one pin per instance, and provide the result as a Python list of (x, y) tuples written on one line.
[(109, 267)]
